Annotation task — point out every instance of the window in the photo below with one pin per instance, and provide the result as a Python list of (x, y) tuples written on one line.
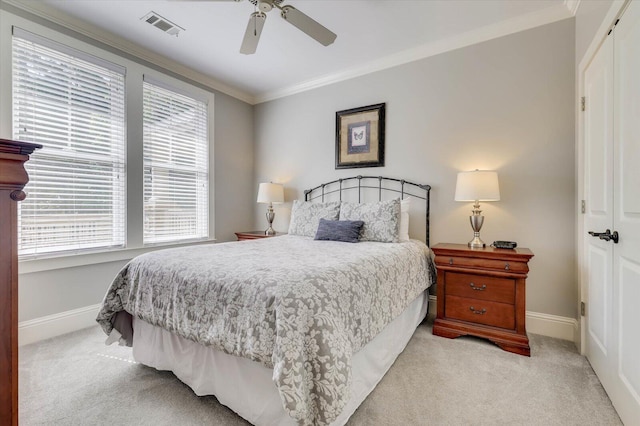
[(73, 104), (71, 99), (176, 172)]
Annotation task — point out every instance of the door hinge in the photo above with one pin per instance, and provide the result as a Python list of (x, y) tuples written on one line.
[(582, 308), (583, 207), (583, 102)]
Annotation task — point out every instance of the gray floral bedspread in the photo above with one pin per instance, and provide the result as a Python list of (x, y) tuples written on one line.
[(299, 306)]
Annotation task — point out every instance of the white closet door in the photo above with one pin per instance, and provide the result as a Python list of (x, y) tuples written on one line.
[(626, 193), (612, 192), (598, 184)]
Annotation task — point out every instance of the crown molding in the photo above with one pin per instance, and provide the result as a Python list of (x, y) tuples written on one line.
[(572, 6), (500, 29), (48, 13)]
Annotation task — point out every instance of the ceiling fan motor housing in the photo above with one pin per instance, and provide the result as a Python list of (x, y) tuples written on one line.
[(266, 5)]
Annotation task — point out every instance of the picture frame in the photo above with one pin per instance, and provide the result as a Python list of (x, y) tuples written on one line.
[(360, 137)]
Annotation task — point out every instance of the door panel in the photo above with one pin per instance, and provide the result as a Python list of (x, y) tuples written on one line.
[(627, 66), (598, 134), (598, 148), (629, 370), (599, 294), (626, 194)]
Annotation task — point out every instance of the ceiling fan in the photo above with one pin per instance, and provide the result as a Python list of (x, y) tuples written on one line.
[(290, 14)]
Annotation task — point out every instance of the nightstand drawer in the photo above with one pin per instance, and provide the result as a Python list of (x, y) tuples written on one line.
[(480, 312), (481, 287), (483, 264)]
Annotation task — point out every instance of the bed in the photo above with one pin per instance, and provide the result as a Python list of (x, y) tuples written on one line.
[(285, 330)]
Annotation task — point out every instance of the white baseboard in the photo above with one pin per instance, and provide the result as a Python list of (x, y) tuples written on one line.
[(552, 325), (42, 328)]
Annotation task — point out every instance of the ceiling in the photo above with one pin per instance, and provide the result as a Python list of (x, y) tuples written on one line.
[(372, 35)]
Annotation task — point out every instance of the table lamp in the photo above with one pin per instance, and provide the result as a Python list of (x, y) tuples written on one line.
[(270, 193), (476, 186)]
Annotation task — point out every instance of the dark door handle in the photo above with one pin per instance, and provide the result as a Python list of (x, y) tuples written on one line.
[(606, 235)]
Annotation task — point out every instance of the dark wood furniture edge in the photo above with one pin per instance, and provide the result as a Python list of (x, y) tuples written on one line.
[(254, 235), (472, 270), (511, 342), (446, 249), (515, 341), (16, 147), (13, 178)]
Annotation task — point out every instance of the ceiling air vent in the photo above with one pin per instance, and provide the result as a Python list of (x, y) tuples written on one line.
[(162, 23)]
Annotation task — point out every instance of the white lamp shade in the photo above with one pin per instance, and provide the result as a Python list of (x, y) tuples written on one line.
[(478, 185), (270, 193)]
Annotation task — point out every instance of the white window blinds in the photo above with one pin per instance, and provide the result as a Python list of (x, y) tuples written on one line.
[(72, 104), (176, 172)]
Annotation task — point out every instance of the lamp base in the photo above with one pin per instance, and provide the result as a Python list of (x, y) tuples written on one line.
[(476, 220), (476, 243), (270, 216)]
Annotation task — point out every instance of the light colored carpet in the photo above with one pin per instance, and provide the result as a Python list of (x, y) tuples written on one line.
[(76, 380)]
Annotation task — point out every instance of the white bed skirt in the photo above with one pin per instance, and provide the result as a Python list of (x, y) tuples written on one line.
[(246, 386)]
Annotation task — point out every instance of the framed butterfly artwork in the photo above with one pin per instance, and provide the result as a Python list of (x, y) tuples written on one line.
[(360, 137)]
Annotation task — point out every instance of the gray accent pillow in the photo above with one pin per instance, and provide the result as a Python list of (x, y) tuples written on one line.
[(305, 216), (381, 219), (347, 231)]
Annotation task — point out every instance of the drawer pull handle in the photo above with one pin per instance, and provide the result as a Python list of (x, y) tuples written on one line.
[(478, 311), (481, 288), (506, 266), (450, 261)]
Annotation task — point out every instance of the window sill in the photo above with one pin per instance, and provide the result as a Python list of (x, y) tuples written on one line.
[(83, 259)]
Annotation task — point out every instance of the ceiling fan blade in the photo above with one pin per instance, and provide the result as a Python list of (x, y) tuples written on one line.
[(307, 25), (252, 34)]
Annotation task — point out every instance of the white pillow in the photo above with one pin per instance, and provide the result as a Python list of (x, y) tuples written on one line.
[(405, 204)]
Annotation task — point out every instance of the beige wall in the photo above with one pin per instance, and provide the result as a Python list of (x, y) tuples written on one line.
[(505, 104), (589, 17)]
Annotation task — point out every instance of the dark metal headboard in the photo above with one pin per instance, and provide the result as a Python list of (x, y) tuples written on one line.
[(342, 185)]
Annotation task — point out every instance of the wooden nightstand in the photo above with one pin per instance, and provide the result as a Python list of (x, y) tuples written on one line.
[(481, 292), (253, 235)]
